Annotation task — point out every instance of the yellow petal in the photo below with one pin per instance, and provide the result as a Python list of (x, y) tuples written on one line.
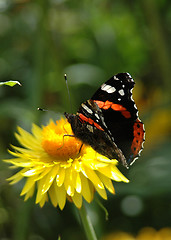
[(31, 172), (43, 200), (16, 154), (26, 139), (77, 199), (27, 153), (107, 182), (37, 131), (21, 163), (69, 182), (101, 192), (48, 179), (87, 190), (30, 193), (78, 186), (89, 173), (52, 194), (16, 177), (30, 182), (60, 177), (61, 194), (77, 165), (39, 195), (43, 173), (118, 176), (113, 173)]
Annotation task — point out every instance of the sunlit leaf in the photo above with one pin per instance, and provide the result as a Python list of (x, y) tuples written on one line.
[(10, 83)]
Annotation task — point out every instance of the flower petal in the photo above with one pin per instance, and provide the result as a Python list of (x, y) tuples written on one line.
[(30, 182), (40, 194), (60, 177), (90, 174), (113, 173), (43, 200), (30, 193), (77, 199), (68, 183), (48, 179), (61, 195), (78, 185), (16, 177), (52, 194), (101, 192), (117, 175), (26, 139), (107, 182), (37, 131), (43, 172), (87, 188)]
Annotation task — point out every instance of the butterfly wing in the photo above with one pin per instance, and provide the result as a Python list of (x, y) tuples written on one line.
[(120, 113), (109, 122), (92, 130)]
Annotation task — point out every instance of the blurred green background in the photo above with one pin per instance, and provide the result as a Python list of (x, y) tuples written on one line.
[(90, 40)]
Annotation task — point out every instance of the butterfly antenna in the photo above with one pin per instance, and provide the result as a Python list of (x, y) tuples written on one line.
[(43, 110), (69, 97)]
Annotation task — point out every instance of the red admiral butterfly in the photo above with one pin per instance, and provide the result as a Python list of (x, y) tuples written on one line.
[(109, 122)]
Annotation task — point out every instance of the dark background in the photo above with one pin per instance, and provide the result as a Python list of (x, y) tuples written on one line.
[(90, 40)]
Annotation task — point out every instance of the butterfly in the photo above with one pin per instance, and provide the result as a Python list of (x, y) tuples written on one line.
[(109, 121)]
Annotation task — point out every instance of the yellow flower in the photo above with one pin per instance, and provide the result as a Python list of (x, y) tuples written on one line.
[(146, 233), (59, 167)]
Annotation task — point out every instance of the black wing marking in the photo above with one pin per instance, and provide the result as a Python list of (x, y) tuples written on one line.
[(118, 90)]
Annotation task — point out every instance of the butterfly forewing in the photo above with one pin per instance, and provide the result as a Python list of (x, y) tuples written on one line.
[(119, 110)]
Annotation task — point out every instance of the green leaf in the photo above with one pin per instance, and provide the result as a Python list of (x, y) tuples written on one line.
[(10, 83)]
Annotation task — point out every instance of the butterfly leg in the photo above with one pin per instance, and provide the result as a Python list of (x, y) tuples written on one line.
[(69, 135), (80, 148), (65, 135)]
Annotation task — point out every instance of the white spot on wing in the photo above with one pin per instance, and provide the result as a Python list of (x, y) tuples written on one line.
[(129, 75), (90, 128), (87, 108), (97, 116), (108, 88), (134, 102), (103, 122), (121, 92), (135, 106), (115, 78)]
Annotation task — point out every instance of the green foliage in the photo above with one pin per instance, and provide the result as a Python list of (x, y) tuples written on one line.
[(90, 40)]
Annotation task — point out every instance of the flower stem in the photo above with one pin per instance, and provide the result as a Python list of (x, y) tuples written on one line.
[(87, 225)]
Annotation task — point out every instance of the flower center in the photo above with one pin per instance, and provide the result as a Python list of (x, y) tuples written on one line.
[(57, 143)]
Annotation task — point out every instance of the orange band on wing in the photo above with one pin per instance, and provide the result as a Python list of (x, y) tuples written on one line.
[(138, 137), (90, 121), (126, 114), (117, 107)]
